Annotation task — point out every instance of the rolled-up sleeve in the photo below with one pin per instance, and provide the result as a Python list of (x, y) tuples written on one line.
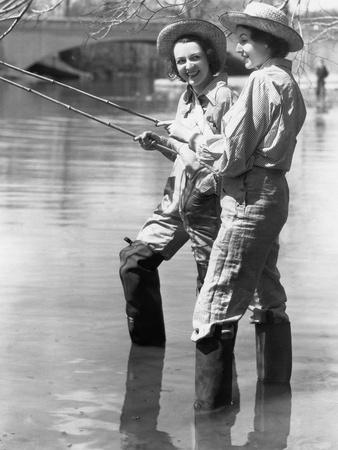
[(245, 125)]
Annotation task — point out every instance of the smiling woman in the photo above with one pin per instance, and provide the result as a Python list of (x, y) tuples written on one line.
[(190, 206), (192, 64), (257, 46), (252, 157), (194, 61)]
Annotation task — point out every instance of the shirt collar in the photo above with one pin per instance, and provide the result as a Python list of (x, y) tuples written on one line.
[(280, 62), (211, 89)]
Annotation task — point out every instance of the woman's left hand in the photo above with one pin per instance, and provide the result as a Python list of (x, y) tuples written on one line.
[(180, 132), (176, 130), (166, 124)]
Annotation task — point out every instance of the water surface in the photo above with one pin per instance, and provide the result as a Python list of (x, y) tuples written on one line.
[(70, 190)]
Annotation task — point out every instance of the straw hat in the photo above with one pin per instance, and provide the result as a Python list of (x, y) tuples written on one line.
[(266, 18), (192, 27)]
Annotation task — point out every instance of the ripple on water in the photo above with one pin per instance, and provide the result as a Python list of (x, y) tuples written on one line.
[(70, 190)]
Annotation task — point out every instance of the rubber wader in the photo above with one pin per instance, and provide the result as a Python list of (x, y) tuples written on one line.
[(214, 369), (141, 285), (273, 348)]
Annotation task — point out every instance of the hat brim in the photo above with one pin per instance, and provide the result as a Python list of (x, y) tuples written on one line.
[(231, 19), (192, 27)]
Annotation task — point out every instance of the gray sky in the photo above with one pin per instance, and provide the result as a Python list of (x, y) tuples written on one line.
[(314, 5)]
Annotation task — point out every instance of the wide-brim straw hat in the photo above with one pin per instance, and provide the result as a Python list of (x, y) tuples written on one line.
[(192, 27), (266, 18)]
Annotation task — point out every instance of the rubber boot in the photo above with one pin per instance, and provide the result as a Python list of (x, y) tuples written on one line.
[(273, 350), (141, 284), (214, 370)]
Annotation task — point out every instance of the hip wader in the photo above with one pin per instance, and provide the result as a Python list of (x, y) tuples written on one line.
[(141, 285)]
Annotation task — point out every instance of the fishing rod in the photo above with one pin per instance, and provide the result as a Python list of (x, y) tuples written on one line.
[(80, 91), (90, 116), (83, 113)]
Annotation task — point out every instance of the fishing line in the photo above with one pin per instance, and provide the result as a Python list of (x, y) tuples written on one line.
[(80, 91), (83, 113)]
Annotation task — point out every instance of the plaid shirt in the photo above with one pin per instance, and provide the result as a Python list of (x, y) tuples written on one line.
[(261, 128)]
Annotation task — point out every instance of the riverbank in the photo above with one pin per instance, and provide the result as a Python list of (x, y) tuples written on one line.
[(171, 89)]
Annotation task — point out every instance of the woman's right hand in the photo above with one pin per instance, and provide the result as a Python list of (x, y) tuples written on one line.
[(148, 140)]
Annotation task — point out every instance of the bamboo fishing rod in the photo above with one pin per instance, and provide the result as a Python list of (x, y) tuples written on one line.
[(95, 118), (80, 91), (83, 113)]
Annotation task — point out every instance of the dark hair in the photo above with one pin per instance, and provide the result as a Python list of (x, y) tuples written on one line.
[(279, 48), (207, 47)]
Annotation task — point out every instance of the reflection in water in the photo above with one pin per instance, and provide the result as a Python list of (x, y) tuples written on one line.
[(141, 405), (320, 130), (70, 190), (213, 429), (272, 417), (271, 422)]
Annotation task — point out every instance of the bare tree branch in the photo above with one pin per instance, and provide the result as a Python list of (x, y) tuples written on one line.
[(8, 3), (283, 5), (324, 19), (109, 13), (14, 6), (324, 34), (21, 8), (114, 12), (48, 9)]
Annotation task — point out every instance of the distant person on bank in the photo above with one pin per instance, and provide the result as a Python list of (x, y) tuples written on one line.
[(321, 73), (190, 206)]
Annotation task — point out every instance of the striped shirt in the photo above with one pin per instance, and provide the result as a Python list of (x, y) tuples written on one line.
[(262, 126)]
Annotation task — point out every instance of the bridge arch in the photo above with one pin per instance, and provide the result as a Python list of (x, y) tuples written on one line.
[(31, 41), (116, 57)]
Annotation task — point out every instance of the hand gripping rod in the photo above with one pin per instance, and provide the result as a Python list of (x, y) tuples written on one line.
[(90, 116)]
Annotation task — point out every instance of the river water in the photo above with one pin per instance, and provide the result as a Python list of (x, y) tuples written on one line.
[(70, 191)]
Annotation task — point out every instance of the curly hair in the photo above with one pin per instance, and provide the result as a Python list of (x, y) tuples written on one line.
[(207, 47), (278, 47)]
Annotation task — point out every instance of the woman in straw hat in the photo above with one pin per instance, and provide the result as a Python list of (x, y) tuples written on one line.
[(189, 208), (252, 156)]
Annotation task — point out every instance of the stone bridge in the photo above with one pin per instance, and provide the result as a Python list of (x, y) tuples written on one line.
[(34, 40)]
